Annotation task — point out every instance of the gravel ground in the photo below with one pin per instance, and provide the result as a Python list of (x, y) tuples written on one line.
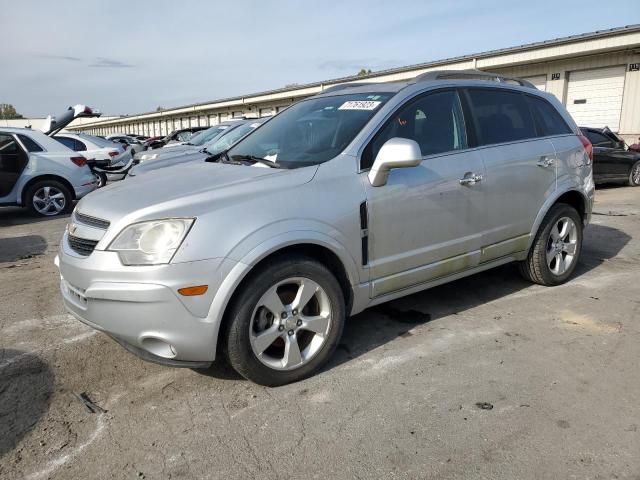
[(487, 377)]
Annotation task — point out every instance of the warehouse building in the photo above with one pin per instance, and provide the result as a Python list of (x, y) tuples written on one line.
[(595, 75)]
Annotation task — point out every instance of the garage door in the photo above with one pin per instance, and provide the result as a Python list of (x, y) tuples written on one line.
[(594, 97), (539, 81)]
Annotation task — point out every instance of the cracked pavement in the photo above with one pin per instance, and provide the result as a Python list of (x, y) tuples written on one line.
[(558, 365)]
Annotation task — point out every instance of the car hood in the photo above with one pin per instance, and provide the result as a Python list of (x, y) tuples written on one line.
[(164, 162), (187, 190)]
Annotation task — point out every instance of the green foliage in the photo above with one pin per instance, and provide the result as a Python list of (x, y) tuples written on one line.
[(8, 112)]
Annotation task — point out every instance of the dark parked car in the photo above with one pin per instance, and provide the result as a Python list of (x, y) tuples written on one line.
[(612, 162), (182, 135)]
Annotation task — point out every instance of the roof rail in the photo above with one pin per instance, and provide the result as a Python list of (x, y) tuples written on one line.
[(471, 74), (343, 86)]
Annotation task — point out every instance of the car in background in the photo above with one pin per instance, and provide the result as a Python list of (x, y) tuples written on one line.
[(211, 149), (104, 153), (195, 143), (180, 135), (130, 143), (40, 173), (95, 147), (612, 161)]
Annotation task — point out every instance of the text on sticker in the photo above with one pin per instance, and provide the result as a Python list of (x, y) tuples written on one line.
[(359, 105)]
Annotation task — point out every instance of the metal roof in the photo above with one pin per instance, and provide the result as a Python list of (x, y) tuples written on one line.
[(491, 53)]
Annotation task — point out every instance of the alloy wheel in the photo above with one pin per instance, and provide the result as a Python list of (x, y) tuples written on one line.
[(49, 201), (562, 245), (290, 323), (635, 174)]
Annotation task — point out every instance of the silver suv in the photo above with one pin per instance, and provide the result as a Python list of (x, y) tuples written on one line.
[(360, 195)]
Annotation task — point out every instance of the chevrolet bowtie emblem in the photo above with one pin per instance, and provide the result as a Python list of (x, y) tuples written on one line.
[(72, 228)]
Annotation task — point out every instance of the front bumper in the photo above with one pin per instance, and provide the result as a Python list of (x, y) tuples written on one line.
[(140, 306)]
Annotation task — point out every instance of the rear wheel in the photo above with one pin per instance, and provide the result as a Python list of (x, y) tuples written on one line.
[(634, 175), (556, 249), (48, 198), (286, 322), (101, 178)]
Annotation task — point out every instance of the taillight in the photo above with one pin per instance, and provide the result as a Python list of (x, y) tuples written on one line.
[(88, 110), (587, 146), (79, 161), (113, 153)]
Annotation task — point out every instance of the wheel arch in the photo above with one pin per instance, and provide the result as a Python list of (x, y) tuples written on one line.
[(573, 197), (34, 180), (319, 251)]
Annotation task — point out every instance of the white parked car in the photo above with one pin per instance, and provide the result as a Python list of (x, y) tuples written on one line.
[(90, 146), (40, 173)]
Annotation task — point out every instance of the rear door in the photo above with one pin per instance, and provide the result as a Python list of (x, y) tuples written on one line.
[(424, 224), (13, 160), (520, 168)]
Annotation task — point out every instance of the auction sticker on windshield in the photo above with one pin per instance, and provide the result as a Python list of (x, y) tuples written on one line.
[(359, 105)]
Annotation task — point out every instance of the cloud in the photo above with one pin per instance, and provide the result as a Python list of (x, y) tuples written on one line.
[(59, 57), (109, 63)]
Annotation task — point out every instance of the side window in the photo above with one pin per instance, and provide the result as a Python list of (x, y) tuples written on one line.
[(29, 144), (500, 116), (67, 142), (548, 120), (7, 144), (599, 140), (80, 146), (435, 121)]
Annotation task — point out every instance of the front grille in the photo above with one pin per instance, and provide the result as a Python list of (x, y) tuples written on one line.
[(91, 221), (82, 245)]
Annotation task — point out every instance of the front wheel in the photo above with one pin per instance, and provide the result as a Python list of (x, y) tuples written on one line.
[(556, 249), (286, 322), (634, 175)]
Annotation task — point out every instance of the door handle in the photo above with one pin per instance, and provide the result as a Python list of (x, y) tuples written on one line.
[(545, 162), (470, 179)]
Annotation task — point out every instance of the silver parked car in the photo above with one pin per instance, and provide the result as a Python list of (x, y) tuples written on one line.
[(360, 195), (213, 147), (40, 173)]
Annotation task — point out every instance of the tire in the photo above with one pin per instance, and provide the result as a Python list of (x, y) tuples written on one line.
[(101, 177), (48, 198), (634, 175), (548, 255), (248, 317)]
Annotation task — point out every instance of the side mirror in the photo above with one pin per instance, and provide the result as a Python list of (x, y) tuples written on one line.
[(395, 153)]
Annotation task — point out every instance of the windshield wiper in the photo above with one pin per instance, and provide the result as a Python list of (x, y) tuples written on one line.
[(216, 157), (253, 159)]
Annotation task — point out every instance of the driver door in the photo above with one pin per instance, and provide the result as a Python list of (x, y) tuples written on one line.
[(13, 160), (424, 223)]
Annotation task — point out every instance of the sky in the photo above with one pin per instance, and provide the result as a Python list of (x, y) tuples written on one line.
[(127, 57)]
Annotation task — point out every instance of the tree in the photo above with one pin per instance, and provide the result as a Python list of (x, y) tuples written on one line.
[(8, 112), (364, 72), (159, 109)]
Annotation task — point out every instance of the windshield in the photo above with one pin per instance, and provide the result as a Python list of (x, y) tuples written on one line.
[(226, 140), (204, 136), (312, 131)]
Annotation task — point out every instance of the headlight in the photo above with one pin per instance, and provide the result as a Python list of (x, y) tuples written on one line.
[(151, 243)]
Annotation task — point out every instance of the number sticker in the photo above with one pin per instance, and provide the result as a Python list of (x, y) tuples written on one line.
[(359, 105)]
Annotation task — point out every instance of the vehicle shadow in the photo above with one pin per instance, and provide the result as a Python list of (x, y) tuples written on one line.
[(384, 323), (26, 386), (21, 248), (381, 324), (10, 216)]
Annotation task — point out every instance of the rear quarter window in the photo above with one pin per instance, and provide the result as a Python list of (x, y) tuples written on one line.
[(29, 144), (548, 120), (500, 116)]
